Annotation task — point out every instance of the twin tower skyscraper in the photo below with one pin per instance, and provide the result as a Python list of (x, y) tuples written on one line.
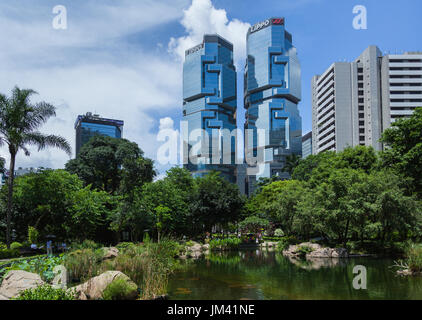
[(272, 91)]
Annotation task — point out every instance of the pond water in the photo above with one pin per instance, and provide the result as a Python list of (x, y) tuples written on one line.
[(264, 275)]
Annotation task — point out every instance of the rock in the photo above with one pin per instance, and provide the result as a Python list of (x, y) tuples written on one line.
[(196, 247), (17, 281), (110, 253), (206, 246), (3, 298), (408, 273), (317, 251), (93, 289), (339, 253)]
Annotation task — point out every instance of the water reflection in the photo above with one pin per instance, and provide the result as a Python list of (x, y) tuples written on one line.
[(264, 274)]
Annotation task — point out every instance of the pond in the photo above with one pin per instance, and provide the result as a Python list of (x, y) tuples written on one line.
[(265, 275)]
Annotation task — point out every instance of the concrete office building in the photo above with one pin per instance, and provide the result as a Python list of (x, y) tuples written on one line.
[(89, 125), (401, 85), (272, 93), (307, 145), (353, 103), (209, 108)]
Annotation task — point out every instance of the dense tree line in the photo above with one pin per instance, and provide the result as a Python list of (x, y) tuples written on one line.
[(355, 195)]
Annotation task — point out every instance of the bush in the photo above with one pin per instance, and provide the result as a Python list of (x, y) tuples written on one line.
[(83, 264), (45, 292), (123, 246), (119, 289), (414, 257), (284, 243), (33, 235), (86, 244), (225, 244), (304, 250), (9, 253), (278, 233), (15, 245)]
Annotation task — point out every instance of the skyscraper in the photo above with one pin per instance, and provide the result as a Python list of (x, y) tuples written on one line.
[(89, 125), (272, 93), (307, 145), (354, 102), (209, 107)]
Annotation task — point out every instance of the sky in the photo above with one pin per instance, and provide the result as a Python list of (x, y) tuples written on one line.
[(123, 59)]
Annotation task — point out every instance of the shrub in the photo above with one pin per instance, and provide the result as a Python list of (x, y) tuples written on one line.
[(278, 233), (9, 253), (86, 244), (304, 250), (123, 246), (83, 264), (15, 245), (284, 243), (225, 244), (33, 235), (45, 292), (414, 257), (149, 265), (119, 289)]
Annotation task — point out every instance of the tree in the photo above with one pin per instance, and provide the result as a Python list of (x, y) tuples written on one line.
[(42, 200), (89, 214), (253, 224), (19, 124), (112, 165), (278, 202), (214, 201), (292, 161), (404, 149)]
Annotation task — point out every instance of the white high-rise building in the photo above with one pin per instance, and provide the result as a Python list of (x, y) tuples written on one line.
[(354, 102), (401, 85)]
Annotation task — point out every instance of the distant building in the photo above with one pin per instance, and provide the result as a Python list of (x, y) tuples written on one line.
[(209, 107), (89, 125), (307, 145), (354, 102), (19, 172)]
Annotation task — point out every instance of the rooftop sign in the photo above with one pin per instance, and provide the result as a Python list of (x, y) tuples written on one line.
[(266, 23)]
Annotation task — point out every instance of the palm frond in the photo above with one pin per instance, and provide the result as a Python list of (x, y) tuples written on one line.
[(42, 141)]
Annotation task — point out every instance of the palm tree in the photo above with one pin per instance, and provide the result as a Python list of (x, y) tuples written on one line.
[(19, 123), (292, 161)]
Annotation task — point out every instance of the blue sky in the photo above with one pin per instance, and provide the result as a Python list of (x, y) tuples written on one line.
[(123, 59)]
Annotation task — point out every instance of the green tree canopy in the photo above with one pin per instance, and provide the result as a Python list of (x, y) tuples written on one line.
[(20, 121), (404, 149), (111, 164)]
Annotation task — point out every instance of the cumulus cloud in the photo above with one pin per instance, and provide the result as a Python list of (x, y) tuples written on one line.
[(201, 18), (95, 65)]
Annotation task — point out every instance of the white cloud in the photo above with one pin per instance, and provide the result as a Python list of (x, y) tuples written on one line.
[(166, 123), (91, 67), (201, 18)]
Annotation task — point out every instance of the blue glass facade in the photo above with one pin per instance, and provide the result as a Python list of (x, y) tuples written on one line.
[(272, 93), (209, 107), (89, 125)]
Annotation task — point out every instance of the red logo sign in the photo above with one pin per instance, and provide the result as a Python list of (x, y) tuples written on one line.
[(278, 21)]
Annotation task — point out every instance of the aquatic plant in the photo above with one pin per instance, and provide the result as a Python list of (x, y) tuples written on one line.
[(46, 292)]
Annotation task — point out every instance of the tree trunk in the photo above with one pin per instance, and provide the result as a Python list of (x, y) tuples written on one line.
[(10, 181)]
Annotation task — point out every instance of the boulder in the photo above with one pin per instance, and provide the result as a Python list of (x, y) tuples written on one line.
[(16, 281), (317, 251), (206, 247), (196, 247), (110, 253), (93, 289)]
